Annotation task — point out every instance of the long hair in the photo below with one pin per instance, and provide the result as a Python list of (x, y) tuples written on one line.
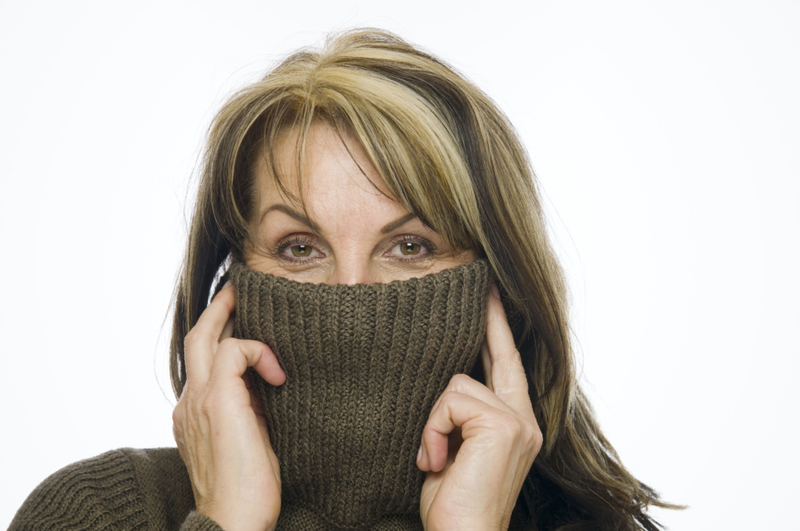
[(450, 156)]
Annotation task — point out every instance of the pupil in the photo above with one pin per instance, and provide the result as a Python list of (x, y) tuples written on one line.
[(410, 248), (300, 250)]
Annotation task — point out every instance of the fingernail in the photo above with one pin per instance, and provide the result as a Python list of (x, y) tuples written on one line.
[(495, 291), (228, 283), (419, 453)]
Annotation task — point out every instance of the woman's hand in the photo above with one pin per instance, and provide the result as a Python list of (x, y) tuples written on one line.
[(480, 441), (220, 427)]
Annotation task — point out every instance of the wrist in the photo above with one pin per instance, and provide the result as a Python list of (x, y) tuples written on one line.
[(233, 520)]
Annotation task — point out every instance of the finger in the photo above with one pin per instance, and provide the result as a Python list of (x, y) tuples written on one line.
[(228, 330), (255, 402), (269, 368), (454, 410), (232, 359), (487, 365), (214, 318), (201, 342), (463, 384), (507, 373)]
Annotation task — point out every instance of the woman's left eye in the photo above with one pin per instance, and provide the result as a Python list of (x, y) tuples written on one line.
[(412, 248)]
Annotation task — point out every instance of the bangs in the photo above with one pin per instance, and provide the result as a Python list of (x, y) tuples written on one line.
[(404, 137)]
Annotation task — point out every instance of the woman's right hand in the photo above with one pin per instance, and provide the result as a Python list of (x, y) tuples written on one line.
[(220, 427)]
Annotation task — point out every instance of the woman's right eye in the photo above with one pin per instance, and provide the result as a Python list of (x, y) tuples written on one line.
[(298, 249)]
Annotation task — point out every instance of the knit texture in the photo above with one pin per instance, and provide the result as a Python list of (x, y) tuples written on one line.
[(364, 365), (123, 489)]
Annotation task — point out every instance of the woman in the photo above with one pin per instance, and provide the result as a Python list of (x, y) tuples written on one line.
[(362, 213)]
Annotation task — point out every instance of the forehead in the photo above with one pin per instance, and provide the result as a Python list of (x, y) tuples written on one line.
[(326, 176), (323, 160)]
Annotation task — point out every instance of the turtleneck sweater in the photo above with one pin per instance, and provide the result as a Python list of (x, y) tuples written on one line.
[(364, 365)]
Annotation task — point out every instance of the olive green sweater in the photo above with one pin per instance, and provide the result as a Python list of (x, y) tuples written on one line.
[(364, 365), (118, 490)]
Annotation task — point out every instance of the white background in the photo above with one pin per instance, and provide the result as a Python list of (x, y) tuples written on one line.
[(666, 136)]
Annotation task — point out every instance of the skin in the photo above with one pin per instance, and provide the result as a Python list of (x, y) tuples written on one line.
[(479, 441)]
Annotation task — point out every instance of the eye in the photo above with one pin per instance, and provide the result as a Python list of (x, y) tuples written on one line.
[(301, 251), (297, 248), (409, 248)]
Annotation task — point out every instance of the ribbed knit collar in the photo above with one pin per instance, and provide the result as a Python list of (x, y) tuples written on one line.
[(364, 364)]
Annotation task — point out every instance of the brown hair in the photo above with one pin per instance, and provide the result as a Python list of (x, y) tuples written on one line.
[(450, 156)]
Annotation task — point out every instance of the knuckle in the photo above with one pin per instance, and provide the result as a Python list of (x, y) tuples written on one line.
[(178, 415), (511, 427), (531, 436), (528, 434), (190, 339), (180, 439), (511, 360), (232, 347), (449, 396), (459, 382), (538, 439), (536, 447), (208, 406)]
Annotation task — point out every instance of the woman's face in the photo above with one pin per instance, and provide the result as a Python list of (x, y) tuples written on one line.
[(354, 234)]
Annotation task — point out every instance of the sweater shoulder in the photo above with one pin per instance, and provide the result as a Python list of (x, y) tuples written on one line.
[(118, 490)]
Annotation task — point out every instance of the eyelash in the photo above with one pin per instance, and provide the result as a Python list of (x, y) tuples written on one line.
[(299, 239), (430, 248), (296, 239)]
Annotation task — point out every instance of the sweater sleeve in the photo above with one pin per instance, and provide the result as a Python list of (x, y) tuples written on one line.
[(199, 522), (123, 489)]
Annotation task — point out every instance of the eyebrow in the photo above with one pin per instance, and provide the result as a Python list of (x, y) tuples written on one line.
[(292, 213), (397, 223), (389, 227)]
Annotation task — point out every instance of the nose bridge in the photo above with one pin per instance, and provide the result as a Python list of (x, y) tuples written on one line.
[(352, 270), (352, 251)]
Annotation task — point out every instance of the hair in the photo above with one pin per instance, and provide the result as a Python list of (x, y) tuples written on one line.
[(450, 156)]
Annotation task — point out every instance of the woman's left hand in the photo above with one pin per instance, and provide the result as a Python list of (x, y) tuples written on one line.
[(475, 476)]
